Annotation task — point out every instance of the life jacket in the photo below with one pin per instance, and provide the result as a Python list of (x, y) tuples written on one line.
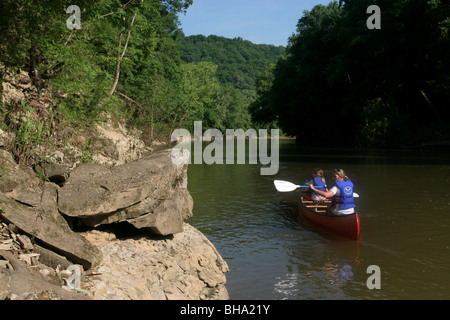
[(319, 183), (345, 198)]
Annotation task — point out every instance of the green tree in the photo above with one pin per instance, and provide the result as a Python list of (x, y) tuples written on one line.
[(370, 86), (239, 63), (198, 86), (261, 109), (124, 58), (302, 96)]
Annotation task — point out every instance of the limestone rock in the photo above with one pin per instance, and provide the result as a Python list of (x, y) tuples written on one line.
[(148, 193), (21, 282), (31, 205), (151, 268), (17, 182), (56, 173), (167, 218), (97, 190), (119, 145), (50, 229), (162, 258)]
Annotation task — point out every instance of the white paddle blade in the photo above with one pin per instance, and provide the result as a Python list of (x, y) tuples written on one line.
[(285, 186)]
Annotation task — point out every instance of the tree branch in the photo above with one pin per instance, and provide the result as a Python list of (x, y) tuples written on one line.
[(131, 100), (128, 36), (120, 56)]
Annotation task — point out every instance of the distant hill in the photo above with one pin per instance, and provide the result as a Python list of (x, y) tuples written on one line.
[(239, 61)]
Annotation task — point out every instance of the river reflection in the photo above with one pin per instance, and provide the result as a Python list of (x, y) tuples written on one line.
[(273, 253)]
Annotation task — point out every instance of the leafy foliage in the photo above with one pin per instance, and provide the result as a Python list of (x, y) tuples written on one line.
[(239, 63), (387, 87), (130, 58)]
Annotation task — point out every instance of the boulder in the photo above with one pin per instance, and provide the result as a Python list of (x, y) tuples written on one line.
[(31, 205), (51, 230), (157, 255), (18, 182), (149, 193), (55, 172), (168, 217), (185, 266), (92, 189)]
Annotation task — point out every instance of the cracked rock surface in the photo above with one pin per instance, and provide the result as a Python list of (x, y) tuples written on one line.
[(185, 266)]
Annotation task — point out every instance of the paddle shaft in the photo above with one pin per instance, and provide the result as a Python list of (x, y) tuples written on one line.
[(302, 187), (286, 186)]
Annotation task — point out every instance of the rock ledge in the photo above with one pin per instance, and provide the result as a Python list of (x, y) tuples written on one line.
[(141, 250)]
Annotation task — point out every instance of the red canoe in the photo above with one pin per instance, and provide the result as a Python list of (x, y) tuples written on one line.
[(347, 226)]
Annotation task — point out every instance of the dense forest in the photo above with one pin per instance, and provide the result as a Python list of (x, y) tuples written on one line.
[(123, 58), (337, 82), (129, 58), (344, 84), (239, 63)]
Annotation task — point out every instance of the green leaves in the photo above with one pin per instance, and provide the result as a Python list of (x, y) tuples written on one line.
[(198, 86), (238, 61), (387, 87), (238, 64), (30, 133)]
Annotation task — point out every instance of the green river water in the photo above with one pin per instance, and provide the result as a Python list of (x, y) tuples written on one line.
[(273, 254)]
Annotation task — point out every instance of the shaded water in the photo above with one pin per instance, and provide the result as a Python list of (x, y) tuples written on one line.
[(273, 253)]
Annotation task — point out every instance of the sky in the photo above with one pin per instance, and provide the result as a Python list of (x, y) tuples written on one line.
[(260, 21)]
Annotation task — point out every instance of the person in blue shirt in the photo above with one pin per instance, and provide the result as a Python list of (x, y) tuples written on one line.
[(341, 192)]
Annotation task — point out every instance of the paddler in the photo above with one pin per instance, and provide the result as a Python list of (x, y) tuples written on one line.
[(341, 193), (317, 180)]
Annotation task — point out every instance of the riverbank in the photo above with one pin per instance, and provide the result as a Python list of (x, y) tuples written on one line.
[(94, 213), (126, 241)]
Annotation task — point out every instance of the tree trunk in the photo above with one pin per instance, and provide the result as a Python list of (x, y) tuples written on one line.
[(120, 56), (119, 59)]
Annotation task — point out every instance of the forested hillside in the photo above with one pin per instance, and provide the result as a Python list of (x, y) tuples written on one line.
[(123, 58), (337, 78), (239, 64), (343, 84), (119, 57), (239, 61)]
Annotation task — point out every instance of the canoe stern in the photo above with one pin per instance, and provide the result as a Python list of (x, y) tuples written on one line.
[(347, 226)]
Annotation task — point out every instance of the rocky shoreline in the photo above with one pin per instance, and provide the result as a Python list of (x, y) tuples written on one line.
[(185, 266), (123, 228), (93, 212)]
